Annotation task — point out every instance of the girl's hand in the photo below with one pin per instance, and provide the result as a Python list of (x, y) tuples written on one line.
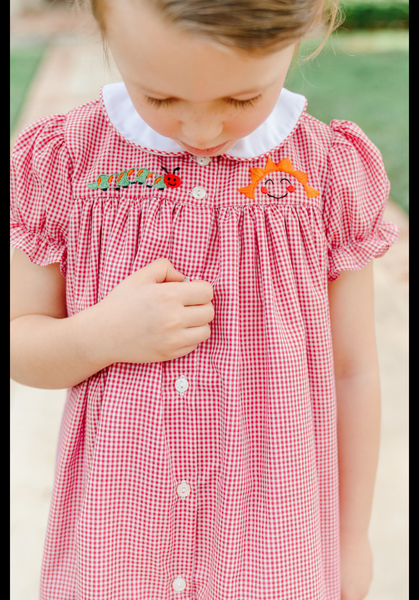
[(356, 568), (152, 316)]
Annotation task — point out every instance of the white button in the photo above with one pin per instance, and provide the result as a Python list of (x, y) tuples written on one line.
[(183, 489), (182, 384), (203, 160), (199, 192), (179, 584)]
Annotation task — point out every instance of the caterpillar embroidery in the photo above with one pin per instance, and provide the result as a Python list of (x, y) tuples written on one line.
[(136, 175)]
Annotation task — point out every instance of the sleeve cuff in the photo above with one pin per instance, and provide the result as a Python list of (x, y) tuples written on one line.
[(39, 250), (359, 253)]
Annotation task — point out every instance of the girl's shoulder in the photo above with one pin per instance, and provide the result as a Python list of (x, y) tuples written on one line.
[(74, 130), (44, 163), (345, 158), (355, 190), (340, 136)]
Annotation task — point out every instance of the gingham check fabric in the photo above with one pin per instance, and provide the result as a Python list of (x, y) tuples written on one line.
[(212, 476)]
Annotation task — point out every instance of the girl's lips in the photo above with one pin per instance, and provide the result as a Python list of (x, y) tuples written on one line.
[(206, 151)]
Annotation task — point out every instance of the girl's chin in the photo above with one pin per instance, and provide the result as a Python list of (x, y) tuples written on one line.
[(206, 151)]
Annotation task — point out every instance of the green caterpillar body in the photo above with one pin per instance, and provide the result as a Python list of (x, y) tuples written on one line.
[(135, 175)]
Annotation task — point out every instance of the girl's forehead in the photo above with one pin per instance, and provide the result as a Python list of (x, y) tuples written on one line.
[(159, 58)]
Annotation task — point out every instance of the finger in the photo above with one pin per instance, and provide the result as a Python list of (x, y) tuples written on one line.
[(198, 315), (197, 292), (195, 335), (159, 271)]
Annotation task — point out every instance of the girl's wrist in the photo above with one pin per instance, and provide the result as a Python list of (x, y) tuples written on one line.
[(91, 340)]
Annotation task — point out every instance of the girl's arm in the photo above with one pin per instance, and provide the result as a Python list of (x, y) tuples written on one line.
[(351, 300), (49, 350)]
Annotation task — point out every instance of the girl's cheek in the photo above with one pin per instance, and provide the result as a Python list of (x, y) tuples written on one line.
[(164, 125), (158, 119), (247, 121), (244, 121)]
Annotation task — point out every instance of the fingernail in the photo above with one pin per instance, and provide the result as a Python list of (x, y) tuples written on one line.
[(186, 279)]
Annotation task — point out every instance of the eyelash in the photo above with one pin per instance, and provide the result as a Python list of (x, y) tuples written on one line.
[(237, 103)]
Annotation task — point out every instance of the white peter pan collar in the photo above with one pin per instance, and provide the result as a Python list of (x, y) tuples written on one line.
[(271, 133)]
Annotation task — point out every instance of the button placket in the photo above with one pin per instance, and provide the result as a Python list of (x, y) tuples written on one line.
[(183, 489), (180, 415)]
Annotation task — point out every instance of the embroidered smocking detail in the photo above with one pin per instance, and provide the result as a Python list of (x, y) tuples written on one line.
[(136, 175), (285, 166)]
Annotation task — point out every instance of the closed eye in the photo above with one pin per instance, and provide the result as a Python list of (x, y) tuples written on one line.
[(243, 103), (167, 101), (159, 103)]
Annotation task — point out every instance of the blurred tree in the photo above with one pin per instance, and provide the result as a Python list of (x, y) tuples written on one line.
[(375, 14)]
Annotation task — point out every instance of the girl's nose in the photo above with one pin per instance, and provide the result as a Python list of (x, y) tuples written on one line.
[(202, 133)]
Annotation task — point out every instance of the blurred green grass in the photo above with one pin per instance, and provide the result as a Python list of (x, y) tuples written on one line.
[(364, 79), (24, 62)]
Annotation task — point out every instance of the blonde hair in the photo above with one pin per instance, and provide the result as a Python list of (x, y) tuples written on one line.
[(259, 26)]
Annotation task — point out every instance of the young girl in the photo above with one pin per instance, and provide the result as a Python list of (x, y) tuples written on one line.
[(189, 246)]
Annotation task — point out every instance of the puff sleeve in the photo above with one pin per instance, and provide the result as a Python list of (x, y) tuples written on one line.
[(41, 192), (356, 196)]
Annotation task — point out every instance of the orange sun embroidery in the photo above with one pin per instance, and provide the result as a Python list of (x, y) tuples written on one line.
[(256, 175)]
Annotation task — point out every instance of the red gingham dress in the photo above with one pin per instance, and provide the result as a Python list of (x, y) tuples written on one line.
[(212, 476)]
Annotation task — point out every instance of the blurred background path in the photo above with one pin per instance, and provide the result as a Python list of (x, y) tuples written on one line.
[(71, 71)]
